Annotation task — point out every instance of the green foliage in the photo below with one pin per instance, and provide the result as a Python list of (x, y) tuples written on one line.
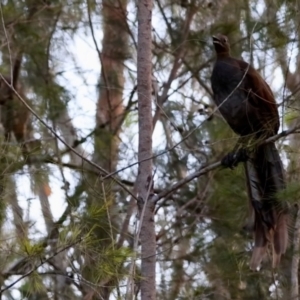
[(202, 249), (290, 194), (34, 289), (32, 249)]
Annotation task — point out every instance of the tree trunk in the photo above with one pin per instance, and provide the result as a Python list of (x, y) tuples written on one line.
[(110, 107), (145, 180), (109, 116)]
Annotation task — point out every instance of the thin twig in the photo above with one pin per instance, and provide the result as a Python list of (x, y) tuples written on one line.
[(102, 170), (215, 165), (8, 44), (38, 265), (98, 51)]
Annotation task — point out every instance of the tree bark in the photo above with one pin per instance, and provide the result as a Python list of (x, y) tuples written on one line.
[(110, 108), (109, 116), (145, 181), (292, 83)]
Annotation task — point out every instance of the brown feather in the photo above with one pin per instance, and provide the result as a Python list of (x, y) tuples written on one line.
[(248, 105)]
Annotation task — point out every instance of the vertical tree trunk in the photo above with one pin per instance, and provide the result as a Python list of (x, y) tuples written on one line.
[(109, 114), (145, 181), (292, 83), (110, 106)]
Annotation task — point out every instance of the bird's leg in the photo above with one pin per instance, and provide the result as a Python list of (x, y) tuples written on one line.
[(232, 159), (239, 154)]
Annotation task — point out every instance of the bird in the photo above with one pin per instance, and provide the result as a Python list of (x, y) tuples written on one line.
[(247, 103)]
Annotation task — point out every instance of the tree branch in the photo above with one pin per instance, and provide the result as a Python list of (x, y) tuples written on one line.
[(215, 165)]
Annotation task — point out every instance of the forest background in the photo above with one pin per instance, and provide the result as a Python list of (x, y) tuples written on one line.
[(69, 216)]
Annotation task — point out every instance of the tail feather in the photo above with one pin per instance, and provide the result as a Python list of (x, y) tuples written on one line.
[(258, 254), (280, 238), (265, 178), (261, 238)]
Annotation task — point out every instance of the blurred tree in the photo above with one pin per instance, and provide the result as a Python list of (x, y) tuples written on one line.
[(68, 230), (103, 226)]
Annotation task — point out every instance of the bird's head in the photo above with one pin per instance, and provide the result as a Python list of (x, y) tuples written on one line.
[(221, 44)]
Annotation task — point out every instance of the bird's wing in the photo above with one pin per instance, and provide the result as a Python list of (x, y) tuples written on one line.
[(260, 95)]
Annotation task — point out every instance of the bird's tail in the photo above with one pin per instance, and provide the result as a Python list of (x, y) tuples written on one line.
[(265, 178)]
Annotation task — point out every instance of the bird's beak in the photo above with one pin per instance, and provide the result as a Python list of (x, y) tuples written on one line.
[(216, 40)]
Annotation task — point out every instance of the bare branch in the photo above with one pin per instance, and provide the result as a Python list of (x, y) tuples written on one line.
[(38, 265), (295, 259), (215, 165)]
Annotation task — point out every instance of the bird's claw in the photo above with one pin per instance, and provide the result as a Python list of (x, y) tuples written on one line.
[(232, 159)]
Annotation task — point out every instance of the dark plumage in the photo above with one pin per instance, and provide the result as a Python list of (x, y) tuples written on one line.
[(247, 104)]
